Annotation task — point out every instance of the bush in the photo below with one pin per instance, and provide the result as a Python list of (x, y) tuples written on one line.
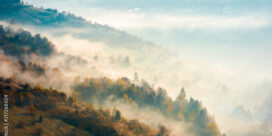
[(41, 118), (32, 109)]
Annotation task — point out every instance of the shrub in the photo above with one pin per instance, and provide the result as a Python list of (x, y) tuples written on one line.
[(32, 109), (41, 118)]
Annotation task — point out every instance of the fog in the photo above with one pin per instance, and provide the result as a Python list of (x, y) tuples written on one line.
[(150, 117), (219, 88)]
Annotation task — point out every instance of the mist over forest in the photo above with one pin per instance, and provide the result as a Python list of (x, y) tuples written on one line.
[(58, 67)]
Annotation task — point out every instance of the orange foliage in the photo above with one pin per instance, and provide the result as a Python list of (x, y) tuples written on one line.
[(32, 109)]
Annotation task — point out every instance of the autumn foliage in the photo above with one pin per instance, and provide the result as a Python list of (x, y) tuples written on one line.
[(144, 95), (100, 122)]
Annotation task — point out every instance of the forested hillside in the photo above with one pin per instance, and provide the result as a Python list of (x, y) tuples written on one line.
[(52, 20), (22, 43), (144, 95), (44, 87), (36, 108), (78, 110)]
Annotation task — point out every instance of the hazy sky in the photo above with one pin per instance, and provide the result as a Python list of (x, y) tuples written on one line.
[(235, 36)]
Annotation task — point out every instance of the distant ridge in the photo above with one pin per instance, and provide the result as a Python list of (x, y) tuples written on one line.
[(9, 3)]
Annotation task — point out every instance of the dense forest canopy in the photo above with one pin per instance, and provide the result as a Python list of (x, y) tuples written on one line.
[(48, 103), (142, 95), (23, 43)]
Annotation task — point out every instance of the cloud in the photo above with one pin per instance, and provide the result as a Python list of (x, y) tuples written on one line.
[(239, 127), (134, 10), (131, 20)]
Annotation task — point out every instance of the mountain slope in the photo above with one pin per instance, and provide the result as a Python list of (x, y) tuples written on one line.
[(94, 90), (52, 19), (23, 43), (33, 109)]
